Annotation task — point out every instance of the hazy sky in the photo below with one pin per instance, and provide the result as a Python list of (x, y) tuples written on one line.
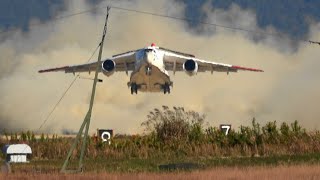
[(286, 91)]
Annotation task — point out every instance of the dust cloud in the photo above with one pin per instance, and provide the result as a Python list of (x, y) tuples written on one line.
[(288, 90)]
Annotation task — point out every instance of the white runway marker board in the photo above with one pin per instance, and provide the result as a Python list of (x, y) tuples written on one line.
[(225, 128)]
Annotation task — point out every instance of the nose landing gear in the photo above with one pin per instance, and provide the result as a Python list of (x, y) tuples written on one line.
[(148, 70)]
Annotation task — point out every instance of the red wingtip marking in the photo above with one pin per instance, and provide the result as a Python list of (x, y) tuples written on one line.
[(247, 69)]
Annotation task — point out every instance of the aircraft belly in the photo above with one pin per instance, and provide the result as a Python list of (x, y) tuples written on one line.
[(152, 82)]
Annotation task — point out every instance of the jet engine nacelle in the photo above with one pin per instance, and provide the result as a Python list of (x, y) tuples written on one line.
[(190, 67), (108, 67)]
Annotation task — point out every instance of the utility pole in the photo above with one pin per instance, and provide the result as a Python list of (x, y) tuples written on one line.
[(86, 121)]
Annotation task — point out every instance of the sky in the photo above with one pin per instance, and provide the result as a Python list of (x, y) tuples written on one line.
[(286, 91)]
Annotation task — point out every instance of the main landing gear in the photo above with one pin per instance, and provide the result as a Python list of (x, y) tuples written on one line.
[(166, 88), (134, 88)]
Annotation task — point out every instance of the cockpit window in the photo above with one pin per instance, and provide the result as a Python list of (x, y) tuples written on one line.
[(148, 50)]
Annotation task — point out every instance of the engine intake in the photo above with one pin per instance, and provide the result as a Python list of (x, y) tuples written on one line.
[(108, 67), (190, 67)]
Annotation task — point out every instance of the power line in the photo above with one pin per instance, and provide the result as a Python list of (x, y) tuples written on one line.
[(314, 42), (170, 17), (193, 20), (56, 105), (213, 24), (53, 19), (65, 92)]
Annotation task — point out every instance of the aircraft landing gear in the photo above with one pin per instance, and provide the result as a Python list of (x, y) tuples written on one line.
[(134, 88), (166, 88), (148, 70)]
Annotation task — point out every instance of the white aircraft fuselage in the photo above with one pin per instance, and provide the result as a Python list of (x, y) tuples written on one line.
[(150, 74)]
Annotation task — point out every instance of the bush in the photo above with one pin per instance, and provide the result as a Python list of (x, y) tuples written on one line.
[(175, 125)]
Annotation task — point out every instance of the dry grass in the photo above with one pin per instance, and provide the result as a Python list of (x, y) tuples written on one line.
[(278, 172), (178, 133)]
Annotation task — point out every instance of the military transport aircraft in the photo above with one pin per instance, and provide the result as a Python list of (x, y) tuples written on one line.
[(149, 67)]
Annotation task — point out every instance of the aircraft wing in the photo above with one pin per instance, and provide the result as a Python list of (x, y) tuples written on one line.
[(174, 62), (124, 62)]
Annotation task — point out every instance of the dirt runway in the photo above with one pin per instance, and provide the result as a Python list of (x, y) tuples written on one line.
[(278, 172)]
